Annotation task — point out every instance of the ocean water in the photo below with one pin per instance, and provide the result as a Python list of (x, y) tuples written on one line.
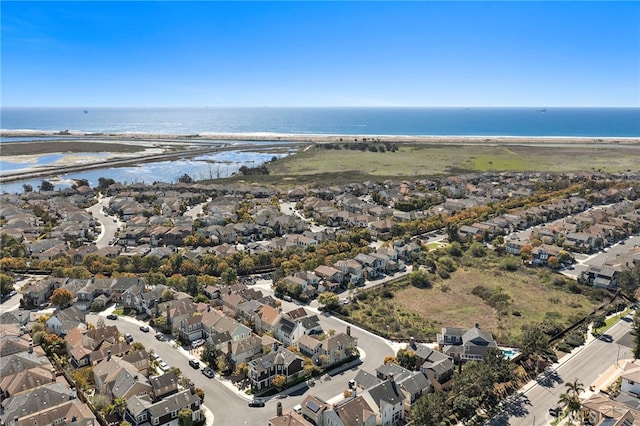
[(584, 122), (522, 122)]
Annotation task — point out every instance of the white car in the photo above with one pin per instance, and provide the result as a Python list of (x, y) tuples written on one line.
[(164, 366)]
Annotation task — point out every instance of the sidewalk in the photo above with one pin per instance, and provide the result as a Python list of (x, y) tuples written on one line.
[(602, 382)]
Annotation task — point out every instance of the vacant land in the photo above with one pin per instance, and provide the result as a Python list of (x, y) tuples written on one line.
[(525, 296), (425, 159), (50, 147)]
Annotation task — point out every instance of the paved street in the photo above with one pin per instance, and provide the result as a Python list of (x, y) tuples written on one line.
[(109, 223), (586, 363), (228, 405)]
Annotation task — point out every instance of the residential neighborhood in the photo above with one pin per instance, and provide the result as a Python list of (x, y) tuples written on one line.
[(242, 287)]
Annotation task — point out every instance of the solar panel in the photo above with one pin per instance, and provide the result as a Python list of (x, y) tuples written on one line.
[(313, 406)]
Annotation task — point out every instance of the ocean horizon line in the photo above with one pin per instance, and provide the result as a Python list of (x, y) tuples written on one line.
[(240, 136), (86, 107)]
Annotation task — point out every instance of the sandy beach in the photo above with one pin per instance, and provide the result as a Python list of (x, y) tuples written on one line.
[(154, 139), (86, 150)]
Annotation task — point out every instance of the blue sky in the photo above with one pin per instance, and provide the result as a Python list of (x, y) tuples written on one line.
[(584, 54)]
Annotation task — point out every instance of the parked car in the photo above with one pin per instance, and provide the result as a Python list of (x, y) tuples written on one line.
[(144, 328), (194, 363), (197, 343), (256, 403), (208, 372), (555, 410), (128, 338), (606, 338), (159, 336), (112, 317)]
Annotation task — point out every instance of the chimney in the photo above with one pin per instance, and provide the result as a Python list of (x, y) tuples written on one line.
[(279, 409), (208, 308), (229, 351), (349, 330), (53, 375), (30, 348), (412, 342), (109, 355), (477, 325), (74, 421), (192, 388), (15, 420), (393, 382)]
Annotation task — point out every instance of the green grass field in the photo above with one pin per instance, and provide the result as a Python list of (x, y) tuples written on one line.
[(413, 160), (532, 298)]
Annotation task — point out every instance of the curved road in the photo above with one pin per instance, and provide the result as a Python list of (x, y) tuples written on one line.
[(109, 225), (228, 405)]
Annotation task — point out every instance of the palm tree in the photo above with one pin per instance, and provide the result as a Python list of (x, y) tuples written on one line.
[(571, 402), (574, 388), (572, 397)]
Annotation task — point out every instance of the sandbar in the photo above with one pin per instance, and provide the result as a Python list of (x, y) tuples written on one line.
[(129, 138)]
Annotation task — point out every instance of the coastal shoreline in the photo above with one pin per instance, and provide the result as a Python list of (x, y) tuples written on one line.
[(317, 138)]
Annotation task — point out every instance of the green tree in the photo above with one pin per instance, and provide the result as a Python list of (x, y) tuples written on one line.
[(10, 247), (46, 186), (6, 284), (223, 365), (571, 403), (167, 295), (500, 364), (209, 354), (104, 183), (431, 409), (328, 300), (185, 178), (61, 297), (465, 407), (477, 249), (419, 279), (636, 339), (476, 382), (533, 342), (279, 381), (407, 358), (185, 417), (454, 249)]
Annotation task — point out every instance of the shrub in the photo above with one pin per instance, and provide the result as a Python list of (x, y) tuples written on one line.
[(563, 347), (509, 264), (516, 313), (575, 288)]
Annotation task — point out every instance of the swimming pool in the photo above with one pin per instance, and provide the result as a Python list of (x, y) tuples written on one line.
[(510, 353)]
